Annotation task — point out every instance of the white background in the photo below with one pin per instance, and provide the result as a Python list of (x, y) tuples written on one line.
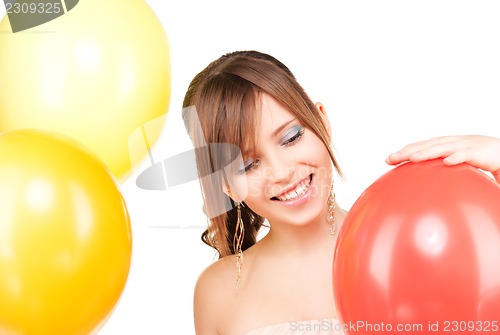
[(388, 72)]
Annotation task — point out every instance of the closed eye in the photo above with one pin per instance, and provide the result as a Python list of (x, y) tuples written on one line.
[(293, 136), (248, 165)]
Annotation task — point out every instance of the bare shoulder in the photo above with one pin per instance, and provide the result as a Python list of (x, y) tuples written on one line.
[(213, 289), (217, 276)]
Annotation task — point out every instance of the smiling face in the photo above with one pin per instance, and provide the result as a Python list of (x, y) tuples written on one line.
[(247, 95), (287, 175)]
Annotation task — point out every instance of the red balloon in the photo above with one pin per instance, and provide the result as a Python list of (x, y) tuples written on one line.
[(419, 252)]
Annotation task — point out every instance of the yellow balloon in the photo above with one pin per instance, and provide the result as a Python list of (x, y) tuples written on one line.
[(96, 73), (65, 238)]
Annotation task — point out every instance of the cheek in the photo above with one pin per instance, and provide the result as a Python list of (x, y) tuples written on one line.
[(319, 156), (255, 186), (238, 187), (250, 189), (313, 148), (245, 188)]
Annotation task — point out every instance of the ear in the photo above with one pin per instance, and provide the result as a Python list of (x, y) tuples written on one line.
[(324, 117), (226, 188)]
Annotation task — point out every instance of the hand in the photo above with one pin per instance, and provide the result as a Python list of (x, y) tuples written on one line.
[(482, 152)]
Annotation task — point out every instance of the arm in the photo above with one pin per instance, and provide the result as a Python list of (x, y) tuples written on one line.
[(482, 152)]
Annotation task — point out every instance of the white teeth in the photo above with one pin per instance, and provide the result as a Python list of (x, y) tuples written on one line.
[(300, 189)]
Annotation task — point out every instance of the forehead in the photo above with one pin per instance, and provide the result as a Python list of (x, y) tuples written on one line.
[(272, 116)]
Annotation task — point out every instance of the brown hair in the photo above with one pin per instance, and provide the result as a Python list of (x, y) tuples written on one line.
[(225, 95)]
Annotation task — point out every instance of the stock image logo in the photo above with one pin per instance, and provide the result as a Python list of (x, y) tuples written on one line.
[(181, 168), (26, 14)]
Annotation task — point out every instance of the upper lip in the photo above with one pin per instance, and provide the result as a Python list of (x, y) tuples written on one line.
[(291, 188)]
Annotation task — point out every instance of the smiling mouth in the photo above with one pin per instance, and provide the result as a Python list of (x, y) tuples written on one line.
[(296, 193)]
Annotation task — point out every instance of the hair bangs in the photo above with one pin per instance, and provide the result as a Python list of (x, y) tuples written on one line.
[(237, 118)]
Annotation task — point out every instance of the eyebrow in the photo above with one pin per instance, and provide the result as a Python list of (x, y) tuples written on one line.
[(276, 132), (280, 128)]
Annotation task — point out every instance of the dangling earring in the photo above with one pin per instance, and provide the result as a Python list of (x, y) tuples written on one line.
[(331, 212), (239, 234)]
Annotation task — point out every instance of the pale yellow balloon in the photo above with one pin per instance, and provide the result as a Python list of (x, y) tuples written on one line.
[(97, 74)]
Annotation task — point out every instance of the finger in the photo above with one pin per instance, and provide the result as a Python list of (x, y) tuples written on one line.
[(432, 152), (456, 158), (467, 155), (422, 145), (415, 149), (396, 158), (438, 151)]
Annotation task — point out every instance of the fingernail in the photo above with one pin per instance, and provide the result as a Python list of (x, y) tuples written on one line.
[(450, 160), (389, 158)]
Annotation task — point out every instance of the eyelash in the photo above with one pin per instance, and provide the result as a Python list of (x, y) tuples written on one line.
[(248, 167), (295, 138), (289, 142)]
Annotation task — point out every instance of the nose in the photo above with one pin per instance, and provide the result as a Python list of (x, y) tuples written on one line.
[(278, 168)]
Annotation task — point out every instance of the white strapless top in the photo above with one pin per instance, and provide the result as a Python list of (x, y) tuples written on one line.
[(313, 327)]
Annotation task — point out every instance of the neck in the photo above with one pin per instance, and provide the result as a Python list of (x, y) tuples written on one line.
[(301, 240)]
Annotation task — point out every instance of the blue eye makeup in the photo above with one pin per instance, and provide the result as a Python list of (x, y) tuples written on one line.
[(247, 165), (293, 135)]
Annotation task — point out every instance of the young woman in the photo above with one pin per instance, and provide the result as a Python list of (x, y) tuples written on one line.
[(281, 284)]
